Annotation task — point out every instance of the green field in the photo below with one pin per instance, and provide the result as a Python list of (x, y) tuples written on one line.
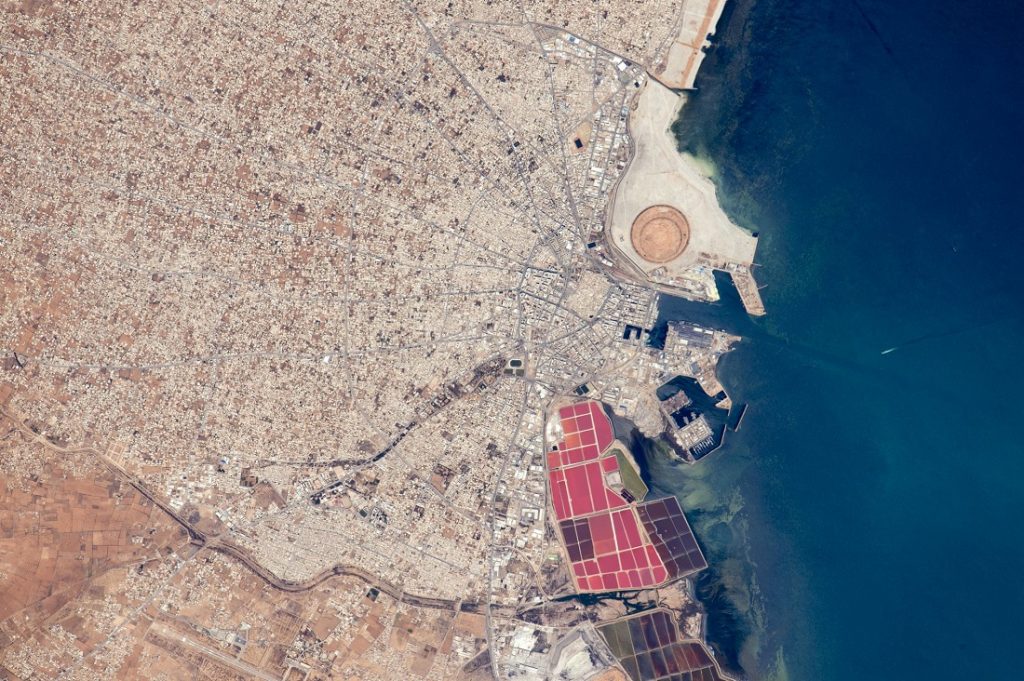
[(630, 477)]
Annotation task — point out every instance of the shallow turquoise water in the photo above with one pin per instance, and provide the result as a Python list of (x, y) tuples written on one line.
[(865, 519)]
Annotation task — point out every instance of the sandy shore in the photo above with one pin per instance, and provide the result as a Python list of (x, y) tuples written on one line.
[(679, 68), (659, 175)]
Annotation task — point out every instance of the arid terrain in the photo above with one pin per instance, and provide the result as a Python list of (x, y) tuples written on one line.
[(287, 294)]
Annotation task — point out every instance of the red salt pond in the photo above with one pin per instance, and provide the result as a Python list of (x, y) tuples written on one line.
[(608, 545)]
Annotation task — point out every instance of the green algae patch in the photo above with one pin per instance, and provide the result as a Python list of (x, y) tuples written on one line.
[(630, 477)]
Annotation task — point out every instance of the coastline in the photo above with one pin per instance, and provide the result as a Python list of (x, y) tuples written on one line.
[(658, 174), (789, 156), (678, 69), (727, 591), (730, 633)]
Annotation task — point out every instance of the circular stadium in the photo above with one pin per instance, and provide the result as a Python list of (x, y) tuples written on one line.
[(660, 234)]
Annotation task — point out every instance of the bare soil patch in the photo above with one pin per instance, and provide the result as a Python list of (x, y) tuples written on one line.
[(660, 234)]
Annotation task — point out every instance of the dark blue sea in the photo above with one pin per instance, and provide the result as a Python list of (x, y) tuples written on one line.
[(865, 522)]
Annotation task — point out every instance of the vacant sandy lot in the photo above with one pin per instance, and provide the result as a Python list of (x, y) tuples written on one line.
[(660, 175)]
